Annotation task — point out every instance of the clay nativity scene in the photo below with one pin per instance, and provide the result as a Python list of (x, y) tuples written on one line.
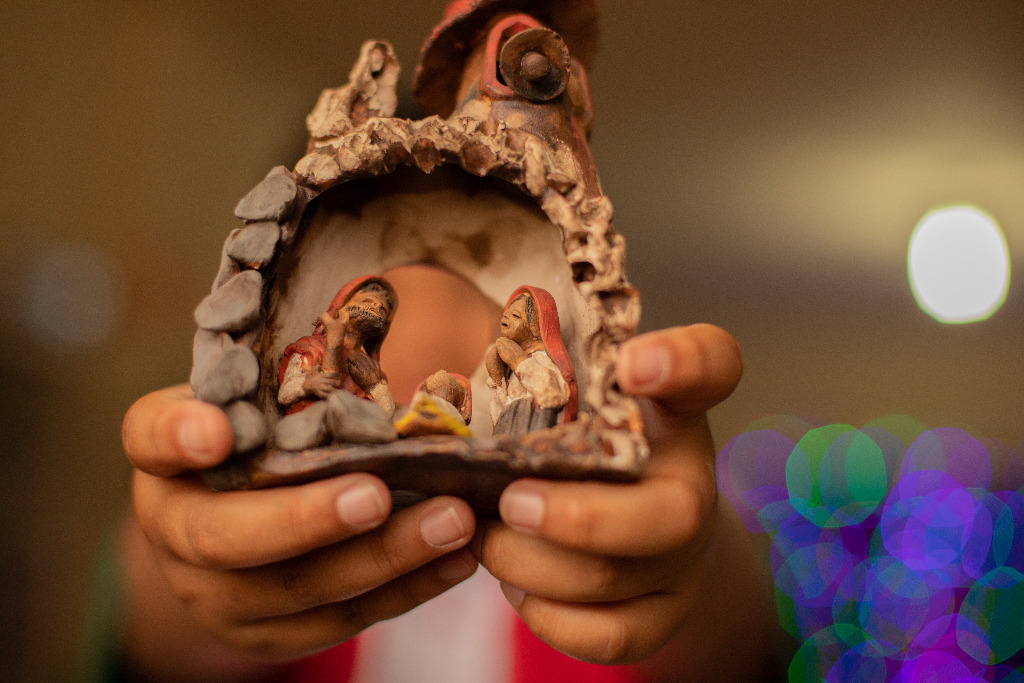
[(495, 185)]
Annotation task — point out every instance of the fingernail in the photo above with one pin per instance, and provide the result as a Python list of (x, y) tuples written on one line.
[(442, 528), (523, 510), (195, 438), (513, 595), (456, 567), (644, 366), (361, 505)]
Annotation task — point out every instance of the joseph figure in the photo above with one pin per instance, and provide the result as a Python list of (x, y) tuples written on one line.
[(344, 350)]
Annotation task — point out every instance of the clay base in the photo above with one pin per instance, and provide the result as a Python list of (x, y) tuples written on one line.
[(476, 470)]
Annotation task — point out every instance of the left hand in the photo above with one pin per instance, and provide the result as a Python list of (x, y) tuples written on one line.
[(267, 575), (609, 573)]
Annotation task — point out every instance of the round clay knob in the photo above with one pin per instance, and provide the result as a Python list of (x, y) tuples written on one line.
[(535, 64)]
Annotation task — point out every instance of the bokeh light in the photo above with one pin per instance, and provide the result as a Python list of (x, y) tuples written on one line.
[(951, 646), (952, 451), (896, 602), (996, 604), (958, 264), (1008, 674), (810, 564), (836, 476), (865, 662), (899, 559), (820, 652), (930, 524), (1006, 510), (753, 468), (72, 296)]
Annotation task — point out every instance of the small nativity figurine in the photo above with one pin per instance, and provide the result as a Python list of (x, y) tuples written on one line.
[(340, 362), (494, 184), (530, 375), (344, 349), (442, 404)]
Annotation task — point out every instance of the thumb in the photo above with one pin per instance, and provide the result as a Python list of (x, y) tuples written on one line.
[(168, 431), (683, 370)]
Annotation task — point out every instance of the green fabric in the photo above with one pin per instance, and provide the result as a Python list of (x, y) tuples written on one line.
[(100, 658)]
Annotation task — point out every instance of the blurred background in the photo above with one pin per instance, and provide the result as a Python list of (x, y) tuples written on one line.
[(768, 163)]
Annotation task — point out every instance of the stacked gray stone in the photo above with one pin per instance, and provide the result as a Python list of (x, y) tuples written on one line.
[(342, 417), (352, 420), (304, 429), (225, 370)]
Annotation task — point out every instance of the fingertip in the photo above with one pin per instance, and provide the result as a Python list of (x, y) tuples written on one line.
[(456, 567), (514, 595), (167, 431), (364, 504), (476, 544), (448, 523), (203, 434), (722, 359), (523, 507), (724, 343), (643, 365), (692, 367)]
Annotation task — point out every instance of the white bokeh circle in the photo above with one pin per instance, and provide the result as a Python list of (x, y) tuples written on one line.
[(958, 264)]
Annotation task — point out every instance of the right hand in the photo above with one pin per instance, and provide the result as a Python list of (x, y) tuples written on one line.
[(321, 384), (279, 573)]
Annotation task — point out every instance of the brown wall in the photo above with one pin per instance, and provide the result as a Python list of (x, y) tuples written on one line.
[(767, 162)]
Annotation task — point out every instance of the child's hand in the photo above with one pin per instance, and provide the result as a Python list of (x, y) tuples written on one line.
[(281, 572), (609, 573)]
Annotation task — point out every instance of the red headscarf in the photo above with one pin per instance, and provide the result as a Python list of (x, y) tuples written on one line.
[(551, 334)]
